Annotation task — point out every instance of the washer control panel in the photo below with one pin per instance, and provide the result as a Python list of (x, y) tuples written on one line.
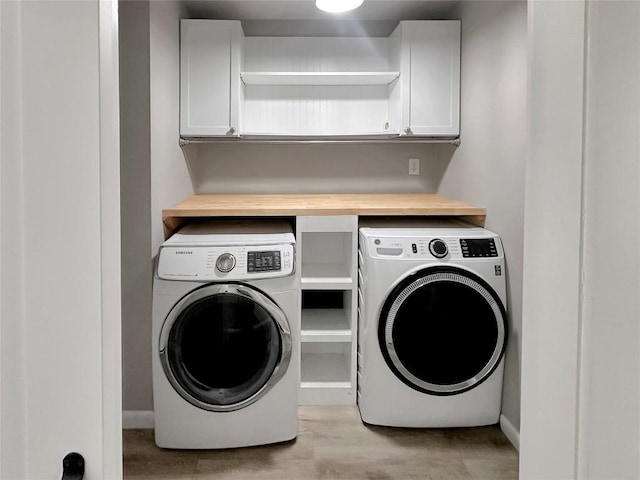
[(268, 261), (440, 247), (246, 262), (478, 247)]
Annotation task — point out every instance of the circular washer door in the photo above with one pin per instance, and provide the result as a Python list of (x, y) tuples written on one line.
[(223, 346), (442, 330)]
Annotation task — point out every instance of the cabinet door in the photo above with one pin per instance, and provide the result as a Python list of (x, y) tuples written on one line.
[(434, 98), (209, 77)]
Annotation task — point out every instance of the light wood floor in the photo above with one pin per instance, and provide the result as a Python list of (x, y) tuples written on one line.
[(334, 444)]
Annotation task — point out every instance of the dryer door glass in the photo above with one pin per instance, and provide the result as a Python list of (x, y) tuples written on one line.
[(225, 346), (442, 331)]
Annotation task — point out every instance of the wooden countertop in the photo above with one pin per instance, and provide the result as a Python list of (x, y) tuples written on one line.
[(376, 204)]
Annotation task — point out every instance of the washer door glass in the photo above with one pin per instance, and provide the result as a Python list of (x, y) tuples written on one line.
[(224, 346), (442, 330)]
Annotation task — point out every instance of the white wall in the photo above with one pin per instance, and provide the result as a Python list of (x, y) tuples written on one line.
[(488, 167), (154, 173), (154, 176), (137, 254), (357, 168), (60, 228), (170, 181), (609, 409), (12, 289)]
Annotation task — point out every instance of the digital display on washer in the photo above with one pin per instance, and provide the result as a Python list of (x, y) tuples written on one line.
[(478, 247), (263, 261)]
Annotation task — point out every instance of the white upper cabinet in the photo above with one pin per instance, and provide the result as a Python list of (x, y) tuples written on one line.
[(406, 84), (426, 100), (210, 56)]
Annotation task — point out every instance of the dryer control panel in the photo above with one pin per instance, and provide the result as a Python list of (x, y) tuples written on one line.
[(210, 263), (441, 245)]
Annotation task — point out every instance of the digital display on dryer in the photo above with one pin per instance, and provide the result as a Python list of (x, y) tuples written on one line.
[(268, 261), (478, 248)]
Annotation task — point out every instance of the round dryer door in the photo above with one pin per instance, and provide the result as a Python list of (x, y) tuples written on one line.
[(224, 346), (442, 330)]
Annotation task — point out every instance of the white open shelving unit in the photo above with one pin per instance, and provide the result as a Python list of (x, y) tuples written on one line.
[(316, 86), (327, 262)]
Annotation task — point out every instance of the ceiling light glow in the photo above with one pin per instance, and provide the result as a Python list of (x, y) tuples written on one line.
[(338, 6)]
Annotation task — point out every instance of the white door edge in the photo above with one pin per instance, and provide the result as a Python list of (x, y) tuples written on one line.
[(110, 238)]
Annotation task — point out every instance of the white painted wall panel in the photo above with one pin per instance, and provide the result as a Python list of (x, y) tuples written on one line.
[(610, 361), (552, 232), (313, 54), (315, 110)]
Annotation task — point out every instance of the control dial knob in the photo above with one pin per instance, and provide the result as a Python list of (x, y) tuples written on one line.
[(438, 248), (225, 262)]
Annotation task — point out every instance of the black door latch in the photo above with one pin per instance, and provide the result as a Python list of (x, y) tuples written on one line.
[(73, 467)]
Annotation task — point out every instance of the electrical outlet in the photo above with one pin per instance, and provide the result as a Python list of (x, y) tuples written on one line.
[(414, 166)]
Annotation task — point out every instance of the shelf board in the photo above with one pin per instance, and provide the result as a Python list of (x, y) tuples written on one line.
[(339, 393), (329, 337), (383, 204), (325, 325), (325, 385), (318, 78), (315, 137), (332, 336), (325, 276), (326, 283)]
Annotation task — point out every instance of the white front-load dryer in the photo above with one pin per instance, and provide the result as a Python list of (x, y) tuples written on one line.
[(225, 336), (432, 325)]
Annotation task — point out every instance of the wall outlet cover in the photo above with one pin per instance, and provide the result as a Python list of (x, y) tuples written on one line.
[(414, 166)]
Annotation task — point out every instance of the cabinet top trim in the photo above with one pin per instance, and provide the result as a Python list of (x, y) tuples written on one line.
[(382, 204)]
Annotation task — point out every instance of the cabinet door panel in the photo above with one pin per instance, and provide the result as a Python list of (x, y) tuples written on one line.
[(205, 89), (435, 78)]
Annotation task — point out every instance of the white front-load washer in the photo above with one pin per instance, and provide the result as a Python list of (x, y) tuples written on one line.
[(225, 336), (432, 324)]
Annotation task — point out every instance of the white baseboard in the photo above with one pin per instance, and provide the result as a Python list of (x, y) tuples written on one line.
[(137, 419), (510, 431)]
